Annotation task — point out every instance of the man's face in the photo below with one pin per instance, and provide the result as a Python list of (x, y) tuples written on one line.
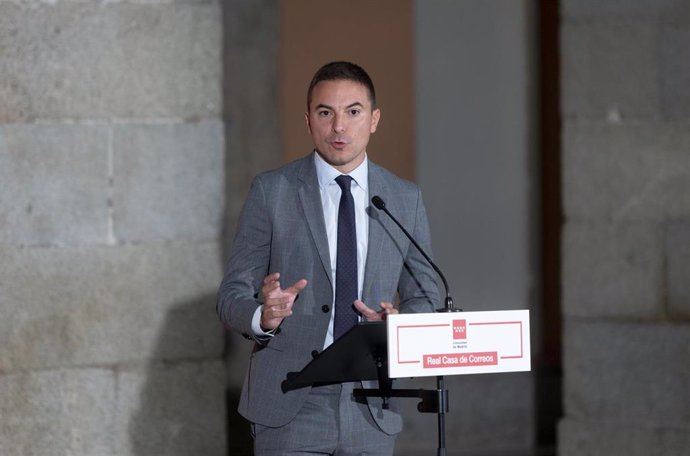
[(340, 121)]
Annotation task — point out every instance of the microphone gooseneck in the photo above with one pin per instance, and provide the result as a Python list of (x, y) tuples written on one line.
[(379, 204)]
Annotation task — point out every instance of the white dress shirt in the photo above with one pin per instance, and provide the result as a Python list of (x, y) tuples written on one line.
[(330, 201)]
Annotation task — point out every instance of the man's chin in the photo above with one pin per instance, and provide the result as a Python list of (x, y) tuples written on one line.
[(339, 158), (333, 158)]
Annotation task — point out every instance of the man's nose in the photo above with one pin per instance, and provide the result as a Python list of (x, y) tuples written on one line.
[(338, 123)]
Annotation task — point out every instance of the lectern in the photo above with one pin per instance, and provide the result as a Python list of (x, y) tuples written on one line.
[(417, 345)]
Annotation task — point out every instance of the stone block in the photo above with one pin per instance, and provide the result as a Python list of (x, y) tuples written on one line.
[(675, 71), (612, 270), (631, 374), (173, 409), (53, 184), (168, 181), (625, 172), (83, 60), (583, 10), (578, 437), (163, 408), (674, 440), (488, 413), (677, 254), (609, 70), (58, 412), (108, 305)]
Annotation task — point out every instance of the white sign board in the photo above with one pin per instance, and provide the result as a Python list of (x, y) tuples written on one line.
[(431, 344)]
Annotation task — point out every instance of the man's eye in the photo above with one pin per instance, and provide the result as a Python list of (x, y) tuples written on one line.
[(324, 113), (354, 112)]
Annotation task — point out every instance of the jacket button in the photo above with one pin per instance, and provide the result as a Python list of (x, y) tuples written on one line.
[(314, 353), (325, 308)]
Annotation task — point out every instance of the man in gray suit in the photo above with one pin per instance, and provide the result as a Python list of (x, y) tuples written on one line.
[(303, 239)]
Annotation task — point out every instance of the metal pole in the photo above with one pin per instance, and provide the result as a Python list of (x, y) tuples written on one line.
[(441, 417)]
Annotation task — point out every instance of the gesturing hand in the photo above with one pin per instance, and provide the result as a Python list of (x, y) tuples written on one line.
[(372, 315), (277, 301)]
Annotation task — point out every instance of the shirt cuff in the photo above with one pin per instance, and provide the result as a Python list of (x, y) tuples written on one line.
[(256, 325)]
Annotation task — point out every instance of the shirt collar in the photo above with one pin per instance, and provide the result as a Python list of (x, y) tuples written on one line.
[(327, 174)]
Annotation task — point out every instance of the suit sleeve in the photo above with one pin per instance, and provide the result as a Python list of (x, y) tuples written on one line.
[(239, 293), (417, 287)]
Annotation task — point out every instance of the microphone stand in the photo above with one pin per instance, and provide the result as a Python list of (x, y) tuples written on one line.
[(440, 384), (441, 389), (440, 405)]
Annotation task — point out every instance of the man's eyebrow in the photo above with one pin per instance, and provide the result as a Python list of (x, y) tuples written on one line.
[(352, 105)]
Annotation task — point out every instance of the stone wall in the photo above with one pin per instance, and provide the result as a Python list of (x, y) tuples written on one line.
[(111, 214), (626, 239)]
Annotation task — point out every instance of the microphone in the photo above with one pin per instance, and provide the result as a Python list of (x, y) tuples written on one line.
[(379, 204)]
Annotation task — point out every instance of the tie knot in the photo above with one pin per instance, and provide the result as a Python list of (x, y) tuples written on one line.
[(344, 181)]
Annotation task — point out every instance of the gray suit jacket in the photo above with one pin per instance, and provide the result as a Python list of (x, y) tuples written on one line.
[(282, 229)]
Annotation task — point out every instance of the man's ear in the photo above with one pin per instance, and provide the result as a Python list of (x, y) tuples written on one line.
[(306, 119), (375, 117)]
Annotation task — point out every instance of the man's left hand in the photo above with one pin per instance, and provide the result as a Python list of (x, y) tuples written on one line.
[(372, 315)]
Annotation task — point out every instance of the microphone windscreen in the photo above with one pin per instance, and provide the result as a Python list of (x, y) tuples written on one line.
[(378, 202)]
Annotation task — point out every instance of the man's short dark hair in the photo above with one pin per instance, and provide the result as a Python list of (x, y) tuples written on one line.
[(343, 71)]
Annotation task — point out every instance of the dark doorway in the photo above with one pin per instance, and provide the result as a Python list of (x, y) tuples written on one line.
[(548, 365)]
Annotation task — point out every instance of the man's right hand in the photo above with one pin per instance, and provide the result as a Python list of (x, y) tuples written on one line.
[(277, 301)]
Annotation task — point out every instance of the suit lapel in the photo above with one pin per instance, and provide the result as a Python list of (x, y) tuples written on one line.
[(310, 198), (377, 186)]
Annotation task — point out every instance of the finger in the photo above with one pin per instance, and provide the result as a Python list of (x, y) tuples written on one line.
[(270, 286), (385, 305), (365, 310), (271, 278), (279, 302), (271, 290), (297, 286), (272, 313), (388, 308)]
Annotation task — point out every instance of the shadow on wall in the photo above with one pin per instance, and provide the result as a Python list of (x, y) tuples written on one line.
[(181, 410), (240, 442), (251, 42)]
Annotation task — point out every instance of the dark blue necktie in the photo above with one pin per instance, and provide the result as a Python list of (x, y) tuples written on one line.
[(346, 261)]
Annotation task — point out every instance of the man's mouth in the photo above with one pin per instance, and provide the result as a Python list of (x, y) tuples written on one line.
[(338, 143)]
